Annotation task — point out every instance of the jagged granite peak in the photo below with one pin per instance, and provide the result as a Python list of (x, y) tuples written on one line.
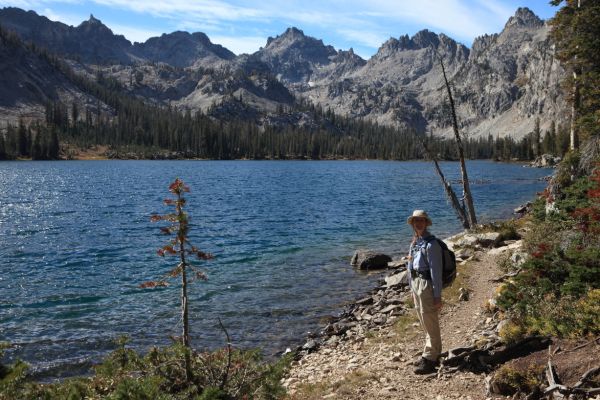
[(181, 49), (425, 38), (291, 34), (95, 29), (421, 40), (524, 18), (293, 56)]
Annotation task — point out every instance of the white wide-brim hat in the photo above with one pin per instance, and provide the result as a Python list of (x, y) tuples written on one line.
[(419, 214)]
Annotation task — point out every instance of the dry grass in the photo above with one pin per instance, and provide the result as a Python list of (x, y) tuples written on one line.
[(342, 388), (464, 273)]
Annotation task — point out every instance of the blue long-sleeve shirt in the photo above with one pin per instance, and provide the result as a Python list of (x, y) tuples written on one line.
[(433, 264)]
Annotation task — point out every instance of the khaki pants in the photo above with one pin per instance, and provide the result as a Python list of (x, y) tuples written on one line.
[(428, 316)]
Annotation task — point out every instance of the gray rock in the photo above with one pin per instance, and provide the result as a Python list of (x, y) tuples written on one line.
[(389, 308), (370, 260), (518, 258), (311, 345), (397, 279)]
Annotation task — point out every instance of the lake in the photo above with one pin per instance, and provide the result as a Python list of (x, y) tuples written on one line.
[(76, 241)]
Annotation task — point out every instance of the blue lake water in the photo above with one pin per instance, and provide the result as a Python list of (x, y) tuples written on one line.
[(76, 241)]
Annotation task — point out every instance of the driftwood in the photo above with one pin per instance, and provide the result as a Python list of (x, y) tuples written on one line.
[(484, 360), (506, 276), (560, 391), (227, 368)]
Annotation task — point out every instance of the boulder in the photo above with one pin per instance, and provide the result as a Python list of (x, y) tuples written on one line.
[(545, 161), (370, 260), (397, 279), (490, 239)]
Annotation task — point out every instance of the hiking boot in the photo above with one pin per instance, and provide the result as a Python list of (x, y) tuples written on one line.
[(425, 366)]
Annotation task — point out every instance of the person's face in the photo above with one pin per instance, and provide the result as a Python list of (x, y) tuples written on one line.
[(419, 224)]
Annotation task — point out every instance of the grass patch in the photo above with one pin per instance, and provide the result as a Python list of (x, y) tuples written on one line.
[(464, 272), (509, 380), (311, 391), (343, 388), (351, 382)]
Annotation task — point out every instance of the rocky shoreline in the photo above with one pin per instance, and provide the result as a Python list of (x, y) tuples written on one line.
[(361, 353), (383, 304)]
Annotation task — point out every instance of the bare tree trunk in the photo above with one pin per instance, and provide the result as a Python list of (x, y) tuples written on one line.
[(185, 338), (449, 191), (472, 218), (574, 106)]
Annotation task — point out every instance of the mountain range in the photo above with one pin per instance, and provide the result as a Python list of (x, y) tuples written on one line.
[(502, 84)]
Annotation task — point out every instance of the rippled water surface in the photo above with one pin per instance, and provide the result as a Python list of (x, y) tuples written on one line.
[(76, 241)]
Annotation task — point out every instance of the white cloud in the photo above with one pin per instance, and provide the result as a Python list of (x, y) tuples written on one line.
[(69, 19), (360, 37), (202, 9)]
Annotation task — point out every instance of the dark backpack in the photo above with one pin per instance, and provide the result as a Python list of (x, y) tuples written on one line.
[(448, 261)]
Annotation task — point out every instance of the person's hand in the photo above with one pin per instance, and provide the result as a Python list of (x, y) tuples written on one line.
[(437, 303)]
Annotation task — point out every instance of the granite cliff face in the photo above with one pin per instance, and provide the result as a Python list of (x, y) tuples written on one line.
[(501, 85)]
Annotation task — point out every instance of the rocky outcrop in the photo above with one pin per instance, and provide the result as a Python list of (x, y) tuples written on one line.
[(545, 161)]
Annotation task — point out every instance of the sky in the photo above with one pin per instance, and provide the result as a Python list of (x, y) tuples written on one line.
[(243, 26)]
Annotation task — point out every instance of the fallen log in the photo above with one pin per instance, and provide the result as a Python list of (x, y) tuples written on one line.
[(506, 276)]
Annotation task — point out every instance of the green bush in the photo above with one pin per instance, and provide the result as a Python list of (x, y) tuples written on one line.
[(554, 293), (160, 375)]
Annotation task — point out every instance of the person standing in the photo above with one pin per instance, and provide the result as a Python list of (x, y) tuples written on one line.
[(425, 271)]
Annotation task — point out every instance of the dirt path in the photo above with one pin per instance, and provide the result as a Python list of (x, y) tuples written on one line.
[(379, 365)]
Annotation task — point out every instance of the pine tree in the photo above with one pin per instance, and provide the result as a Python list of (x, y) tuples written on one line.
[(576, 33)]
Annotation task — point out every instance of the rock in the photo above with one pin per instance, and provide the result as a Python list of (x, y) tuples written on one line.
[(390, 308), (502, 324), (370, 260), (463, 254), (463, 294), (518, 258), (397, 279), (365, 301), (398, 263), (467, 240), (523, 208), (310, 346), (545, 161), (490, 239)]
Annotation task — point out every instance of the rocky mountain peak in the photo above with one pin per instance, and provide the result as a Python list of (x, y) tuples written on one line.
[(94, 20), (524, 18), (425, 38), (181, 49), (290, 35)]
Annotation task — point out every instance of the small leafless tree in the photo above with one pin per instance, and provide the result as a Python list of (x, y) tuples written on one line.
[(467, 213), (180, 246)]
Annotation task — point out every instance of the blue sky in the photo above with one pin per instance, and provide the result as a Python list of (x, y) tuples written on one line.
[(244, 26)]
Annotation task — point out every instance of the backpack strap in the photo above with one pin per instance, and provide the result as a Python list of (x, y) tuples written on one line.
[(427, 240)]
